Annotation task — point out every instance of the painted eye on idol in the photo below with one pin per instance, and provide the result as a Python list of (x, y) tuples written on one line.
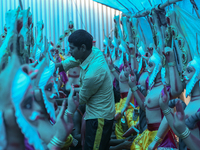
[(189, 70), (28, 103), (54, 74), (150, 64), (49, 87)]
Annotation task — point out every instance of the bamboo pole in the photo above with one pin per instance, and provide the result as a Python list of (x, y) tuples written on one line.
[(195, 8), (146, 12)]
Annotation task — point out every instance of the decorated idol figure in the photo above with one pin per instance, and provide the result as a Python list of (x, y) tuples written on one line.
[(150, 104)]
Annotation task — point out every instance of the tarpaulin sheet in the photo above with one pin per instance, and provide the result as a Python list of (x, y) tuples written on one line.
[(134, 6)]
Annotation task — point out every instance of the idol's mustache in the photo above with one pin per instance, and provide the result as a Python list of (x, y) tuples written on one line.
[(54, 96), (186, 78), (34, 116), (149, 71)]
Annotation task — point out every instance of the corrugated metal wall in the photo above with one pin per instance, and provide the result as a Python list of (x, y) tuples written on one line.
[(56, 14)]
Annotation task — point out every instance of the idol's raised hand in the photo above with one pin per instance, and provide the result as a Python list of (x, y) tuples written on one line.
[(164, 99), (127, 69), (179, 119), (72, 103), (132, 79), (63, 128)]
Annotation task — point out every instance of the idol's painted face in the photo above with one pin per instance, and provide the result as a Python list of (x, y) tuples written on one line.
[(112, 47), (50, 90), (150, 49), (53, 52), (56, 76), (189, 73), (150, 67), (120, 53), (139, 56), (31, 109)]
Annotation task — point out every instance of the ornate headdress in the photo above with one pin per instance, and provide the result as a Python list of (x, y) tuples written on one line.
[(42, 78), (107, 43), (157, 59), (12, 31), (116, 20), (144, 58), (125, 29), (40, 27), (123, 47), (25, 29)]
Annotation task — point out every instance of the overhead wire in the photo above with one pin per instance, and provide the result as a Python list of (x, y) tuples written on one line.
[(123, 5), (79, 13)]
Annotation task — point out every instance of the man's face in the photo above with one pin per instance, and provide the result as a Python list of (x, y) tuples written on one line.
[(75, 51), (189, 73)]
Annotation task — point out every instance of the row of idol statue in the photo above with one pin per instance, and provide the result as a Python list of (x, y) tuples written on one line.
[(154, 60), (154, 63), (36, 110)]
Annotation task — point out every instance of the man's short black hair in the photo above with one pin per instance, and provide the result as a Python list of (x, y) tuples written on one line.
[(80, 37)]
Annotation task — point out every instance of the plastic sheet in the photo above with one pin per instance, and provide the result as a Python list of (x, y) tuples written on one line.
[(134, 6)]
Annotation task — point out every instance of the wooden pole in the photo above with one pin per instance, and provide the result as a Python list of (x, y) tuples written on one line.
[(146, 12)]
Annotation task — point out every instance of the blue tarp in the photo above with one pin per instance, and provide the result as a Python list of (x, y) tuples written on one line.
[(134, 6)]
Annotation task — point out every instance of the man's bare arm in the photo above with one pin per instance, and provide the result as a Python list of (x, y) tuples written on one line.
[(60, 66)]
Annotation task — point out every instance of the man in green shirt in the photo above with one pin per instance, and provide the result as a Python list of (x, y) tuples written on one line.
[(96, 89)]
